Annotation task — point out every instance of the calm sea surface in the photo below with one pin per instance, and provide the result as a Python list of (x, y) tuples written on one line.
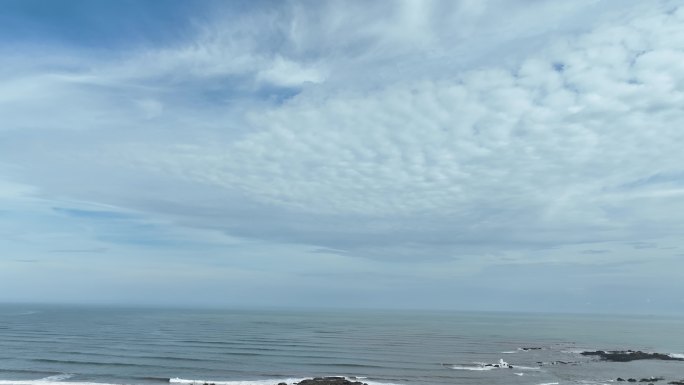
[(44, 345)]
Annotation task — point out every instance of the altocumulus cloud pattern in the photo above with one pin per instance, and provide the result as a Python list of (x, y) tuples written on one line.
[(428, 148)]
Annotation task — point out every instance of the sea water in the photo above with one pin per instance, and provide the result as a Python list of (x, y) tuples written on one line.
[(48, 345)]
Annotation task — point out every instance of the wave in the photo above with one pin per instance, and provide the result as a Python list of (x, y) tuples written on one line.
[(346, 365), (57, 377), (474, 367), (526, 367), (93, 363), (523, 350), (272, 381), (482, 367), (31, 371), (242, 382), (676, 355), (58, 380), (100, 363), (595, 382), (549, 383), (49, 382)]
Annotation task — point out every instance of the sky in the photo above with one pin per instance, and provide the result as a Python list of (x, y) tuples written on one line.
[(466, 155)]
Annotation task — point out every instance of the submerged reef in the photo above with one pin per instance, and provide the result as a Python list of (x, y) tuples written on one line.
[(630, 355), (329, 381)]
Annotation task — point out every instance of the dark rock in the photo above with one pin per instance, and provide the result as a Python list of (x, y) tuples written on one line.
[(676, 382), (651, 379), (282, 383), (632, 380), (630, 355), (509, 366), (329, 381), (619, 379)]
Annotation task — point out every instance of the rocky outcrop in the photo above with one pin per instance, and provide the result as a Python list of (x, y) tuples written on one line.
[(630, 355), (650, 380), (329, 381), (507, 366)]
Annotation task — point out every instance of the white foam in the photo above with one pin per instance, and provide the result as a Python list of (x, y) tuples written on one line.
[(50, 382), (242, 382), (526, 367), (676, 355), (481, 366), (519, 374), (55, 380), (57, 377), (271, 381), (510, 352), (478, 368), (549, 383)]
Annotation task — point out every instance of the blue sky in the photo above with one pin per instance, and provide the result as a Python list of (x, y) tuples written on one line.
[(485, 155)]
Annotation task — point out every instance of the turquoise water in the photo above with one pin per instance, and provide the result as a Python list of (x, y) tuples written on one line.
[(42, 345)]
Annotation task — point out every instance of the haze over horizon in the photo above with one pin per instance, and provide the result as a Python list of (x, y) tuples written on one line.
[(466, 155)]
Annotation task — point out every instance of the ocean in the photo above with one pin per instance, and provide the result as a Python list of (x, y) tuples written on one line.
[(63, 345)]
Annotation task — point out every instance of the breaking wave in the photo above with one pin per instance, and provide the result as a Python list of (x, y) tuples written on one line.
[(473, 367), (273, 381), (57, 377), (54, 379), (482, 367), (242, 382)]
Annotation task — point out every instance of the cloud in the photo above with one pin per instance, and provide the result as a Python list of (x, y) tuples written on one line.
[(426, 132), (10, 190), (530, 155)]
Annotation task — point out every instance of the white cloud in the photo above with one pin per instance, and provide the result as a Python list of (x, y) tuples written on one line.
[(10, 190), (429, 129), (286, 73), (492, 150)]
